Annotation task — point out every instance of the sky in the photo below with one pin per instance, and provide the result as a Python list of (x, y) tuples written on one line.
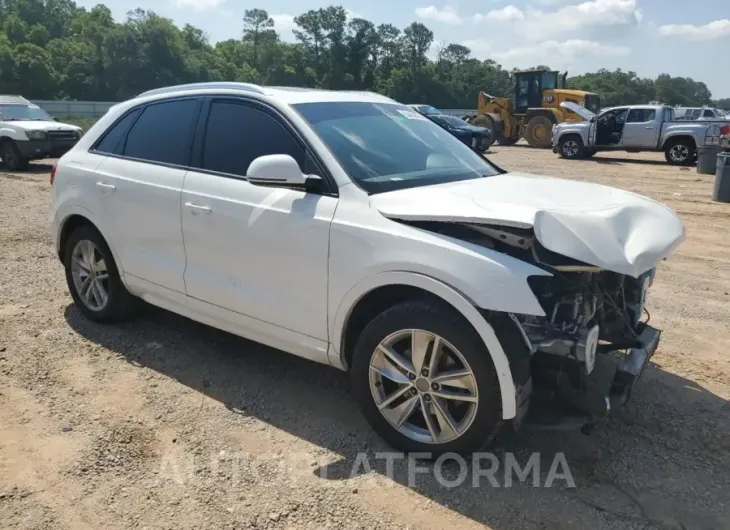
[(689, 38)]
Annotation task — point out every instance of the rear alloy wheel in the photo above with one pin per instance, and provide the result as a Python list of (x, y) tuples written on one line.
[(680, 153), (538, 132), (425, 381), (93, 278), (571, 147)]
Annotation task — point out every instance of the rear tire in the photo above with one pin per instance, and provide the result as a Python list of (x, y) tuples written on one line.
[(93, 278), (539, 131), (571, 147), (471, 421), (681, 152), (12, 159)]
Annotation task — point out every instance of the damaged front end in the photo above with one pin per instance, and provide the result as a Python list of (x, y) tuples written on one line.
[(593, 342)]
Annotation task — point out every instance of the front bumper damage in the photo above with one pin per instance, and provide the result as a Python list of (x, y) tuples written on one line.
[(607, 390)]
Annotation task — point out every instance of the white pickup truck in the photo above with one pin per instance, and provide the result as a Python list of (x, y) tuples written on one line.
[(635, 128), (27, 133)]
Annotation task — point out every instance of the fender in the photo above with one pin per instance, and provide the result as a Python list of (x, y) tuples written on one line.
[(566, 128), (450, 295), (64, 213), (673, 135)]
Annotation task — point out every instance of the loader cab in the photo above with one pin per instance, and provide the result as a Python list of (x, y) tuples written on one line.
[(530, 84)]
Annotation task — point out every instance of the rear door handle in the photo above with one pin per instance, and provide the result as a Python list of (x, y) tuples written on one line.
[(105, 186), (198, 208)]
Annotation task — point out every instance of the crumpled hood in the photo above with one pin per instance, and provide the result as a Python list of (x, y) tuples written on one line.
[(606, 227)]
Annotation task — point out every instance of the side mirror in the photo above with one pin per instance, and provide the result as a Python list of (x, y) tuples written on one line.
[(276, 170)]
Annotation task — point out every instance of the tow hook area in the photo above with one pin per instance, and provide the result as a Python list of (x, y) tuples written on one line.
[(607, 391)]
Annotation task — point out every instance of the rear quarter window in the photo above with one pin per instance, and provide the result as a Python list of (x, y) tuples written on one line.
[(164, 132), (111, 141)]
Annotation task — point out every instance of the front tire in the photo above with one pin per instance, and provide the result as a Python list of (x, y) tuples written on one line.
[(571, 147), (680, 152), (93, 278), (425, 380), (488, 123), (12, 159)]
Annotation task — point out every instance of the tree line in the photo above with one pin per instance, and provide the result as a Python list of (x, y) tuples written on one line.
[(52, 49)]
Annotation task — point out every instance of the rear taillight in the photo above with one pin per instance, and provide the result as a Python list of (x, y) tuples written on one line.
[(53, 174), (725, 129)]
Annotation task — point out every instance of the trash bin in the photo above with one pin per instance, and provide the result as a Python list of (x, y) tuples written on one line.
[(722, 178), (707, 159)]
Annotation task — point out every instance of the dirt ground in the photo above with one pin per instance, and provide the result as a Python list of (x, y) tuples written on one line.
[(164, 423)]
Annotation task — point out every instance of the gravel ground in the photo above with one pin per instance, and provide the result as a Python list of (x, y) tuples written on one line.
[(164, 423)]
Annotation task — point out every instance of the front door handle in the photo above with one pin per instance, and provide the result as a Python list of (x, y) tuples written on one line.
[(105, 186), (198, 208), (649, 126)]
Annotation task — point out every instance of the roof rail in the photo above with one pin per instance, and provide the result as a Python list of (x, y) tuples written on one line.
[(248, 87)]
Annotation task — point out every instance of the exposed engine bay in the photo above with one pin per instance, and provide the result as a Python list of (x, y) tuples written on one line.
[(589, 311)]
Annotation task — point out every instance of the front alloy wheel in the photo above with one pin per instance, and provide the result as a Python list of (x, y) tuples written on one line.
[(425, 380), (423, 386), (571, 149)]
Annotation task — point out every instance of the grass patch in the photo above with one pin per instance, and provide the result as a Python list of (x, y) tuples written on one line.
[(84, 123)]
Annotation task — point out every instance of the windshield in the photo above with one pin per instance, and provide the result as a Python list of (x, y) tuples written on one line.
[(385, 147), (24, 113)]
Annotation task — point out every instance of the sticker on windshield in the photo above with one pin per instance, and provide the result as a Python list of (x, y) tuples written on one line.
[(412, 115)]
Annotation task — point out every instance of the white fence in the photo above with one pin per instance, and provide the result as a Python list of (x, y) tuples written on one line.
[(96, 109), (75, 109)]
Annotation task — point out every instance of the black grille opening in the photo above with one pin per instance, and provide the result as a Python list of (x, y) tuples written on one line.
[(62, 135)]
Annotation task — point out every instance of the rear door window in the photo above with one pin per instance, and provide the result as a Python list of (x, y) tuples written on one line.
[(641, 115), (164, 132)]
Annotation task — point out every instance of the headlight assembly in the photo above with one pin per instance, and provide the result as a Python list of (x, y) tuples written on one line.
[(36, 135)]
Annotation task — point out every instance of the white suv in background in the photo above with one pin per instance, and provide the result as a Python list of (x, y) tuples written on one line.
[(27, 132), (348, 229)]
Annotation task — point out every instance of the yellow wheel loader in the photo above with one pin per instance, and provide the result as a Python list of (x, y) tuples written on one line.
[(534, 109)]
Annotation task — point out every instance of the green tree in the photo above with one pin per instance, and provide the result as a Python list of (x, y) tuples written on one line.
[(258, 30), (55, 49)]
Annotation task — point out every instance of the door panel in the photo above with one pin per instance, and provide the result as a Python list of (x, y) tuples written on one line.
[(145, 206), (259, 251), (641, 128)]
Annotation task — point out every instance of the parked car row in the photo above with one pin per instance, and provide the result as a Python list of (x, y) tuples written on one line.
[(349, 229), (479, 138)]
